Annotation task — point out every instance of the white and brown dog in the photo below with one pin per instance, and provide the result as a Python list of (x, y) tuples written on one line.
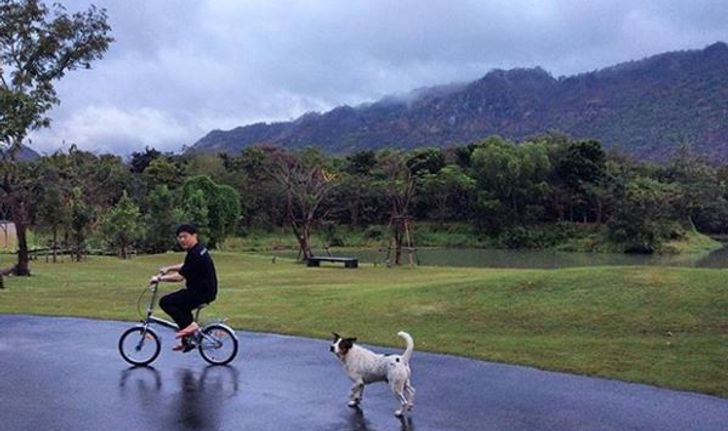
[(364, 366)]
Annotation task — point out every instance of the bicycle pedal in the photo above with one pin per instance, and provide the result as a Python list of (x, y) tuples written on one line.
[(186, 345)]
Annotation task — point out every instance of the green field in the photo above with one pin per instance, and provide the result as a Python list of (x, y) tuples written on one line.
[(657, 325)]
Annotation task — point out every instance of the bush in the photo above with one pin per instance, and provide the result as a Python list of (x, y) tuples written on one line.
[(544, 236), (645, 217), (374, 232), (521, 237), (330, 234)]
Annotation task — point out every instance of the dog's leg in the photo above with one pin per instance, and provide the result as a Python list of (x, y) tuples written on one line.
[(404, 405), (410, 390), (398, 389), (357, 392)]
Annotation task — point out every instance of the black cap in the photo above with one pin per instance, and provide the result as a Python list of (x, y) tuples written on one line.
[(189, 228)]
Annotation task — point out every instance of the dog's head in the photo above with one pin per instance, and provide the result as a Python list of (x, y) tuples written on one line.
[(341, 346)]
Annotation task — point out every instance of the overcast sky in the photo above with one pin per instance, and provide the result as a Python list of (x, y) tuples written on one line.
[(179, 69)]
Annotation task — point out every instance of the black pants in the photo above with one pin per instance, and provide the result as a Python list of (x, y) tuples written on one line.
[(179, 306)]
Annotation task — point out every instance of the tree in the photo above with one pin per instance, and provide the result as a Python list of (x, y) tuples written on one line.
[(228, 204), (160, 221), (512, 182), (194, 210), (121, 225), (722, 176), (207, 165), (222, 204), (23, 204), (348, 199), (355, 186), (54, 212), (139, 161), (426, 160), (38, 46), (443, 187), (162, 171), (361, 163), (104, 178), (306, 181), (582, 169), (265, 199), (399, 185), (699, 183), (645, 216), (82, 216)]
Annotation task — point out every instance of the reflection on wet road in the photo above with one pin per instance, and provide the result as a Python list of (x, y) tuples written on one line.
[(197, 396)]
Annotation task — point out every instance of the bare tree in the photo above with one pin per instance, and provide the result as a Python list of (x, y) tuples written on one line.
[(307, 182), (398, 183)]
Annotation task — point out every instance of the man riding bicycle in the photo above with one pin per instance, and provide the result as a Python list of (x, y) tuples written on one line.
[(198, 272)]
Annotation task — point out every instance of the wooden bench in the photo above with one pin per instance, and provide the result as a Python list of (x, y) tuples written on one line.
[(349, 262)]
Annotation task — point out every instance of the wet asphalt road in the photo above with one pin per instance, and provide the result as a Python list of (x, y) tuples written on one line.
[(66, 374)]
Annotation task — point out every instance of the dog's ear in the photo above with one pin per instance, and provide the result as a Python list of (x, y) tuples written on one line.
[(346, 344), (336, 336)]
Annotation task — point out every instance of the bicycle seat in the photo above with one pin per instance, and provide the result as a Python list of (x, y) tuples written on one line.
[(198, 309)]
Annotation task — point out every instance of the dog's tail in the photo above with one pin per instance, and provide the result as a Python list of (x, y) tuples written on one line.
[(410, 346)]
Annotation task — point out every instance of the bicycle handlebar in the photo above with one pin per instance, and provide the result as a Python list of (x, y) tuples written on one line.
[(159, 274)]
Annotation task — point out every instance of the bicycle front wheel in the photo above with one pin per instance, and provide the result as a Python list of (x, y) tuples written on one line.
[(218, 344), (139, 345)]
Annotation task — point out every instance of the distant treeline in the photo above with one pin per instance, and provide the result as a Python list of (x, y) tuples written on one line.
[(499, 187)]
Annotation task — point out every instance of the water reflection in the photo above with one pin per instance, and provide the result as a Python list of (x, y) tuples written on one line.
[(355, 421), (199, 400), (223, 380), (141, 387), (143, 382), (194, 409), (716, 259), (406, 424), (196, 402)]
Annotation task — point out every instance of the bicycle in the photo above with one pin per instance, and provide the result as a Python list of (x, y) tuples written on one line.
[(140, 345)]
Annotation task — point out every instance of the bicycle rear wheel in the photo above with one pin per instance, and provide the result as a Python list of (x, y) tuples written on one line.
[(218, 344), (139, 346)]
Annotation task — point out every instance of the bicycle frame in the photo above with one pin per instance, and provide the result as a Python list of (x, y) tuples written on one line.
[(149, 319)]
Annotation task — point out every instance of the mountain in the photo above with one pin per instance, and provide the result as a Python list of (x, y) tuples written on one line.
[(25, 154), (647, 108)]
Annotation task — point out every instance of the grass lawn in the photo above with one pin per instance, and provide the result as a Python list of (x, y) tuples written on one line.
[(656, 325)]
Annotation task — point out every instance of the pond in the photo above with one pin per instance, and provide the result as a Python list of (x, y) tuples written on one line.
[(497, 258), (716, 259)]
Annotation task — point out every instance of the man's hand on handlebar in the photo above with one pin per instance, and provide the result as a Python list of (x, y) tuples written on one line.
[(167, 269)]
